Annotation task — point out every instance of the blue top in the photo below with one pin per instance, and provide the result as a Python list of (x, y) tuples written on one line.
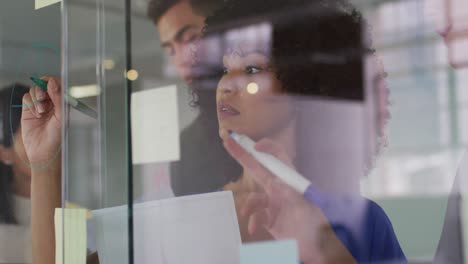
[(361, 225)]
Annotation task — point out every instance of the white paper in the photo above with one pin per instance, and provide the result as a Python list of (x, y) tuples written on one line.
[(196, 229), (44, 3), (155, 125)]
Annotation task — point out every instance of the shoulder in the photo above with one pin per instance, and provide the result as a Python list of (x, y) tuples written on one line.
[(379, 221), (384, 243), (377, 213)]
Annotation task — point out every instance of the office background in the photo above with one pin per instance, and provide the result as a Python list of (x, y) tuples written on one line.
[(427, 131)]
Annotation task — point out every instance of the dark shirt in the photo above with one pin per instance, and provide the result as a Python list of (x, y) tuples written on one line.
[(204, 165), (361, 225)]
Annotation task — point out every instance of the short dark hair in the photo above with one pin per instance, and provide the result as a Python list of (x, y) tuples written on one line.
[(157, 8), (11, 97), (10, 120)]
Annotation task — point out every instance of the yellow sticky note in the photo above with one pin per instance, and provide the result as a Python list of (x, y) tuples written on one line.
[(71, 205), (70, 236), (44, 3)]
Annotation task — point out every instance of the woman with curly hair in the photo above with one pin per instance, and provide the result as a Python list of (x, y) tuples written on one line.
[(273, 58)]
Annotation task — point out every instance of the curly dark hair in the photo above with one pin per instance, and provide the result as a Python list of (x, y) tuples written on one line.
[(10, 123), (317, 48)]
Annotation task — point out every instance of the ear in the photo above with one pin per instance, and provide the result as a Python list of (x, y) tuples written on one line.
[(6, 155)]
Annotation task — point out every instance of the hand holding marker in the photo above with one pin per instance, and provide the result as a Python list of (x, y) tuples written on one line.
[(70, 100), (274, 165)]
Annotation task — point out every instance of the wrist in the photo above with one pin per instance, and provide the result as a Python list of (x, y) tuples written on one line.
[(51, 162), (48, 171), (46, 186)]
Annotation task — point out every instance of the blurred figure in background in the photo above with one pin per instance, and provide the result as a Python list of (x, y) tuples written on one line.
[(179, 24), (15, 180), (454, 31)]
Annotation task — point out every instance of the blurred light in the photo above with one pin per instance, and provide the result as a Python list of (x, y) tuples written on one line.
[(252, 88), (85, 91), (132, 75), (109, 64)]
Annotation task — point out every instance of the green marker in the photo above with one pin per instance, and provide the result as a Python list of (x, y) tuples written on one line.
[(41, 83), (70, 100)]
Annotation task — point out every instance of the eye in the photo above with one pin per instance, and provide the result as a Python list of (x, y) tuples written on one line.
[(193, 38), (189, 38), (253, 69), (225, 71)]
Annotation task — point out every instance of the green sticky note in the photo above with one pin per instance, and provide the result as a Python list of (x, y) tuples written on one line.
[(271, 252), (70, 236)]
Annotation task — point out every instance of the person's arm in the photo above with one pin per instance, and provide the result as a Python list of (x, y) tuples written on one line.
[(41, 129), (284, 212), (45, 197)]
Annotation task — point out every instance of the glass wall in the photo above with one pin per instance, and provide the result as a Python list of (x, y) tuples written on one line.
[(29, 46), (96, 149), (210, 131)]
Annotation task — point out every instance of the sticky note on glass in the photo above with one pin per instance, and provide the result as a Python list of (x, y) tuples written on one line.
[(44, 3), (71, 205), (70, 236), (271, 252), (155, 125)]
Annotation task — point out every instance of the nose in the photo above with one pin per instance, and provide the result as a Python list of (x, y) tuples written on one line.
[(228, 85), (183, 59), (225, 91)]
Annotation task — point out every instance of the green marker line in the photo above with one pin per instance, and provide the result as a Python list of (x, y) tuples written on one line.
[(28, 105)]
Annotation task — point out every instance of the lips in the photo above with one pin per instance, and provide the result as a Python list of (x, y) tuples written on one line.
[(227, 110)]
